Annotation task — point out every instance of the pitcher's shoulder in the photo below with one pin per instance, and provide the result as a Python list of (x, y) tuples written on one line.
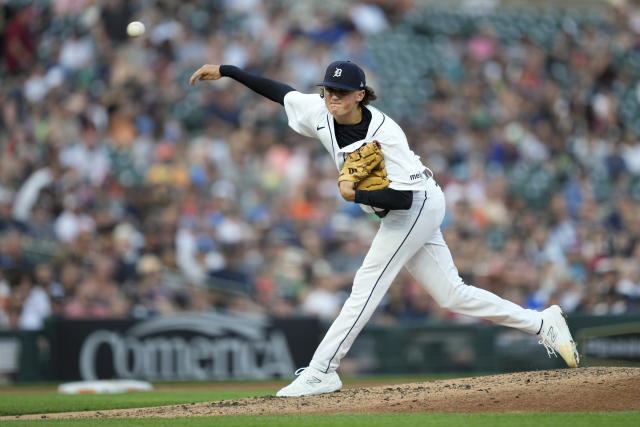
[(301, 100)]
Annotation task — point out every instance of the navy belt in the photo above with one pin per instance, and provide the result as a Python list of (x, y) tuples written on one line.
[(382, 214)]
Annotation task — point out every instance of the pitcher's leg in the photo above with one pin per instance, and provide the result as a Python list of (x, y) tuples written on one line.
[(432, 266), (401, 234), (368, 290)]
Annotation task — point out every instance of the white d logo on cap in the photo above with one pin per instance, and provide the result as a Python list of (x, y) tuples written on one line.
[(337, 72)]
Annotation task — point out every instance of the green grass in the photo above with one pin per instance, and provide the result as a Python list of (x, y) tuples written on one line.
[(39, 399), (41, 403), (571, 419), (43, 398)]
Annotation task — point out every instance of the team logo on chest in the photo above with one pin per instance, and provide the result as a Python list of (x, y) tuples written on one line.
[(337, 72)]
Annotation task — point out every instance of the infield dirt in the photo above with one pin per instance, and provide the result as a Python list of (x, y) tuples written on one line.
[(565, 390)]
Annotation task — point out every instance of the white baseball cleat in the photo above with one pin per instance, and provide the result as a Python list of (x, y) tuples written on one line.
[(556, 338), (311, 381)]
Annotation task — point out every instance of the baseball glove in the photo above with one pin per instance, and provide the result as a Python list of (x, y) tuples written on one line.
[(365, 167)]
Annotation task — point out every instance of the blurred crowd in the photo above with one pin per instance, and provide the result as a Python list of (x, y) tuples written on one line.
[(125, 192)]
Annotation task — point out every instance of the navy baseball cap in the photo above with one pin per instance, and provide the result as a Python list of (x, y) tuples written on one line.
[(344, 75)]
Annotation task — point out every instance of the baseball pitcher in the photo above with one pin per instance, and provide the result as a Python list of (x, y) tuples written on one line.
[(378, 170)]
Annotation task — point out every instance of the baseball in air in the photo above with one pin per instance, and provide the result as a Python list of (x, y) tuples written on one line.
[(135, 29)]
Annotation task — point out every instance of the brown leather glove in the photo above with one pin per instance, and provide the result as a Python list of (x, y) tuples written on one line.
[(365, 168)]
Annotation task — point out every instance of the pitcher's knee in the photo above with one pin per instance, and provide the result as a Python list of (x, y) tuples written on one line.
[(446, 303), (451, 299)]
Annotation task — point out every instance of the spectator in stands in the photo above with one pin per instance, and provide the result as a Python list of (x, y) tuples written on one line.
[(34, 303), (98, 296), (323, 300), (19, 47), (5, 301)]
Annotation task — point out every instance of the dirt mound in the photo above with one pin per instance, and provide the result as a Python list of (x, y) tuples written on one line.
[(565, 390)]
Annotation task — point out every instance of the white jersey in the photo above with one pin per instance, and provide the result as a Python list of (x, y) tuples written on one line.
[(308, 116)]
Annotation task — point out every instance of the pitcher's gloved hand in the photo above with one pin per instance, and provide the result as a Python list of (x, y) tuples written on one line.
[(365, 168)]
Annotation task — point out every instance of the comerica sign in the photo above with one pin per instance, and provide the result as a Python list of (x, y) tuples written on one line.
[(221, 348), (198, 346)]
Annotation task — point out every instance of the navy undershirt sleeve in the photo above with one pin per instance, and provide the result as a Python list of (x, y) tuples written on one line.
[(387, 198), (268, 88)]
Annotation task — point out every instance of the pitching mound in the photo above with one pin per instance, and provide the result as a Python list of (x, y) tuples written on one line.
[(565, 390)]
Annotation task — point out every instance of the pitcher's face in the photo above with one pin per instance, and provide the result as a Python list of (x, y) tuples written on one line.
[(341, 102)]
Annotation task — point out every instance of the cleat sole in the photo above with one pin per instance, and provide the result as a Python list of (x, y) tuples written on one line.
[(568, 353)]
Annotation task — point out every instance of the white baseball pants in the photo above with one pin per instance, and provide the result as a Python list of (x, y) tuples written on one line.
[(412, 238)]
